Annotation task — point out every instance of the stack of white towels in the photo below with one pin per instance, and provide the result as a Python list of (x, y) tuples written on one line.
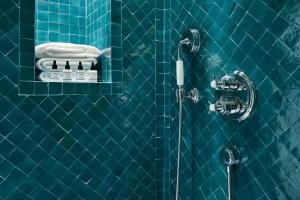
[(61, 53)]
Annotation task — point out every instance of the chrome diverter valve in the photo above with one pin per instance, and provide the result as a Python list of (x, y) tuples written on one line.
[(234, 96)]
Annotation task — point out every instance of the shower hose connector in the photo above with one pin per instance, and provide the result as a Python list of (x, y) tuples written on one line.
[(193, 95), (180, 93)]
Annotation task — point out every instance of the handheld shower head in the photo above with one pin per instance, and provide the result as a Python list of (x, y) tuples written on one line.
[(190, 43)]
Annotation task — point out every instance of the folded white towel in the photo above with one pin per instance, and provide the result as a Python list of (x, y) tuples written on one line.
[(106, 52), (65, 50), (45, 77), (45, 64)]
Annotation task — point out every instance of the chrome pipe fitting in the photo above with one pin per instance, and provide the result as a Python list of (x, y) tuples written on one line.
[(230, 156)]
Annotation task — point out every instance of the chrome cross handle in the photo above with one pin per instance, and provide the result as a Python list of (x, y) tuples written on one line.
[(226, 106), (227, 82)]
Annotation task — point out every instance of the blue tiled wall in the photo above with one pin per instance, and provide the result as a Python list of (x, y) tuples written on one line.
[(79, 147), (61, 21), (261, 38), (79, 21), (98, 23), (162, 19)]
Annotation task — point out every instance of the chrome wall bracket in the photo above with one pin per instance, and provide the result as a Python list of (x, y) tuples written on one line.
[(193, 95), (235, 96), (191, 39)]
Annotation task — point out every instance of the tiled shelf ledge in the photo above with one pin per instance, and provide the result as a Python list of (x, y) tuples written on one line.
[(52, 88)]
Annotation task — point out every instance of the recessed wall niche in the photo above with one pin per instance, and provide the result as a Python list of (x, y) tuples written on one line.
[(70, 47)]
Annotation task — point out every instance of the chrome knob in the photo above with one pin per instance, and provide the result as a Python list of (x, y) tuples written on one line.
[(194, 95), (227, 106), (227, 82)]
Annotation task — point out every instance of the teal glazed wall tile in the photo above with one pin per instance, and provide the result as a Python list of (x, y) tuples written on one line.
[(58, 21), (99, 29), (162, 32), (77, 147), (260, 38)]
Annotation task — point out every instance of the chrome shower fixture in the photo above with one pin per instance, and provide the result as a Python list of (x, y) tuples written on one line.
[(230, 156), (193, 95), (190, 44), (235, 96), (227, 82), (228, 106)]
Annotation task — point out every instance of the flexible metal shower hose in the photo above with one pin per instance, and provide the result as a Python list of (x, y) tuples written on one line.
[(179, 145)]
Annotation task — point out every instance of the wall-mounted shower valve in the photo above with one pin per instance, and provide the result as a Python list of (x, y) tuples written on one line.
[(226, 106), (234, 96), (227, 82)]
